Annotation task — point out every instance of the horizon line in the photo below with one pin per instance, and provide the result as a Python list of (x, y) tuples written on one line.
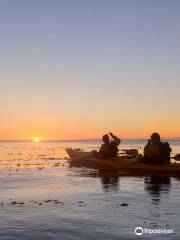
[(82, 139)]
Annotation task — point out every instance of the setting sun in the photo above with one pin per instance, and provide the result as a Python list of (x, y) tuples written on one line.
[(36, 139)]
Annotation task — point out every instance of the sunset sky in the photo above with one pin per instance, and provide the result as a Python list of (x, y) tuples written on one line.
[(73, 69)]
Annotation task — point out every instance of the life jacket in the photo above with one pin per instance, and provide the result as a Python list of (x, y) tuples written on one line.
[(104, 151), (113, 149), (109, 150), (165, 151), (152, 151), (157, 153)]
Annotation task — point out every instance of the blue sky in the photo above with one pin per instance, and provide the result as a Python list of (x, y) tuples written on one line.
[(86, 67)]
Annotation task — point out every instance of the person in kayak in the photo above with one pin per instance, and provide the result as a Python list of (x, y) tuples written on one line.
[(109, 149), (156, 151)]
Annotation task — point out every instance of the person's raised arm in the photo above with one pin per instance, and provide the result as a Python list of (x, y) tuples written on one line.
[(115, 138)]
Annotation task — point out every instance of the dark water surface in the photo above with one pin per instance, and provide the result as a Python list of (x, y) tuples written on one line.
[(42, 198)]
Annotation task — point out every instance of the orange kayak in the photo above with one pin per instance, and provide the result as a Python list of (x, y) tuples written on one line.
[(79, 158)]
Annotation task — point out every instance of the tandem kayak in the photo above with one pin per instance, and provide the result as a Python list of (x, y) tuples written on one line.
[(79, 158)]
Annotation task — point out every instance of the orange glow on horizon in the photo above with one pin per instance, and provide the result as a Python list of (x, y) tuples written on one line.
[(54, 128)]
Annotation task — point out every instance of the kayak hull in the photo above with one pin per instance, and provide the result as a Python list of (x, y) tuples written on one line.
[(79, 158)]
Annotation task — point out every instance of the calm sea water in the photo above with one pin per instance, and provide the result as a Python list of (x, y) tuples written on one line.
[(42, 198)]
